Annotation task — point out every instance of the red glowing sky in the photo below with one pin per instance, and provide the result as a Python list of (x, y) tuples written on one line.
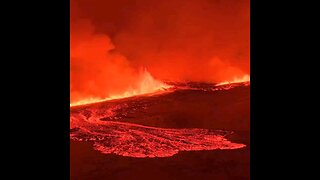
[(195, 40)]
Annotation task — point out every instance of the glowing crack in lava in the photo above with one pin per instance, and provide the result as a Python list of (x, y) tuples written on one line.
[(146, 85)]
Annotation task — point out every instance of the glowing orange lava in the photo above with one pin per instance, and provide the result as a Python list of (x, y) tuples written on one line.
[(146, 85), (141, 141), (245, 78)]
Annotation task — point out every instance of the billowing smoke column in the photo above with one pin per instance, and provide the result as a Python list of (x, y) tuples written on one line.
[(176, 40), (98, 71)]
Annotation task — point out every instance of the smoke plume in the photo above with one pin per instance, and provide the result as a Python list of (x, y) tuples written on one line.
[(179, 40)]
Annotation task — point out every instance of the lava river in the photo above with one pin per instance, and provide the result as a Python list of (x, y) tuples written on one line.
[(103, 127)]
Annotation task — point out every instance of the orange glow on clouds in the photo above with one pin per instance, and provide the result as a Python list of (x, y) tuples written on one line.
[(177, 40)]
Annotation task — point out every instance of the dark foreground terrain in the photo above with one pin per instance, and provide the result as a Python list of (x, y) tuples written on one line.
[(189, 106)]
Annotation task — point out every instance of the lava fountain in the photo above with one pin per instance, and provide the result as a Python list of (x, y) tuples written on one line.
[(146, 85), (110, 41)]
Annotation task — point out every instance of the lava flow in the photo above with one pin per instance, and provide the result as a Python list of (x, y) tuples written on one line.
[(181, 41), (105, 125), (135, 140)]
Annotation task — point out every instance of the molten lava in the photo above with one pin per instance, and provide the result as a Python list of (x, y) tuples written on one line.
[(244, 79), (176, 40), (146, 85), (134, 140), (127, 139), (114, 126)]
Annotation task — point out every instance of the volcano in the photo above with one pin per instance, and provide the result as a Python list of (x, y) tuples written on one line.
[(189, 123)]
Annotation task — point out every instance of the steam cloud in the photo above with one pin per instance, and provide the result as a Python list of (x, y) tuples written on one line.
[(195, 40)]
